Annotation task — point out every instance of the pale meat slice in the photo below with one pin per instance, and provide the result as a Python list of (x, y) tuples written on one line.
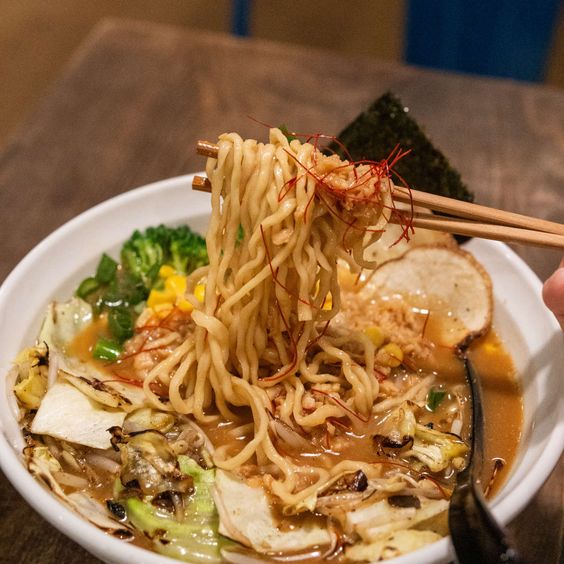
[(245, 515), (450, 277)]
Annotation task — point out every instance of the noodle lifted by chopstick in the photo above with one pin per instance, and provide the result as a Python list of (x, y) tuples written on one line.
[(282, 215)]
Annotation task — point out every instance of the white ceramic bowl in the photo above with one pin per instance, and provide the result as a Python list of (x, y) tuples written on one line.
[(72, 252)]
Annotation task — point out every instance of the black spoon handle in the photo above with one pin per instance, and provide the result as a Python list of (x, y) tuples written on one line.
[(475, 534), (478, 539)]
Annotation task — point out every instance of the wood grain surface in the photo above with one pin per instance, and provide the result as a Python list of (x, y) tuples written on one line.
[(136, 97)]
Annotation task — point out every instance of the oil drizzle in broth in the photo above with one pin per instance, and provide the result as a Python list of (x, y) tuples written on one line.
[(82, 345), (503, 405)]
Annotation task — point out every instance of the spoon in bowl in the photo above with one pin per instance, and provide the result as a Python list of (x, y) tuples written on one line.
[(475, 534)]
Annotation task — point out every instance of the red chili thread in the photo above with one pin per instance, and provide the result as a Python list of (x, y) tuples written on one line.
[(287, 188), (341, 404), (137, 352), (380, 376), (314, 341), (380, 169), (425, 323), (327, 439), (334, 421), (294, 362), (133, 381), (275, 274)]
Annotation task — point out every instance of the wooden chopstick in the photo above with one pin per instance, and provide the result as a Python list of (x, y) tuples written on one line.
[(475, 212), (201, 184), (469, 219), (485, 231)]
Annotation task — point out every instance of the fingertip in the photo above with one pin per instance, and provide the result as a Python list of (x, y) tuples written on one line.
[(553, 293)]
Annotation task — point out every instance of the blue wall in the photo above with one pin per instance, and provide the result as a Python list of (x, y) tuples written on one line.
[(509, 38)]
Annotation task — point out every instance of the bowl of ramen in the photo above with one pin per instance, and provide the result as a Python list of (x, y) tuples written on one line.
[(289, 389)]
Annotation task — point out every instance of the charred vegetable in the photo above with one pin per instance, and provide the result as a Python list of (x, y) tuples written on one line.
[(47, 469), (32, 367), (193, 538), (437, 449), (403, 436), (246, 516), (148, 463)]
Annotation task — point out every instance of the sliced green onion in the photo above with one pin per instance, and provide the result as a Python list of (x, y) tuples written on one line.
[(285, 131), (107, 268), (106, 349), (120, 323), (240, 234), (434, 398), (87, 286), (132, 289)]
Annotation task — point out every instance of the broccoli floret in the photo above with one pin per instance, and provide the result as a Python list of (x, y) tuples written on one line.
[(187, 250), (144, 253)]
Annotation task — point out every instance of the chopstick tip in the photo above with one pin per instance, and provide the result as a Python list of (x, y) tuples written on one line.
[(207, 149), (201, 184)]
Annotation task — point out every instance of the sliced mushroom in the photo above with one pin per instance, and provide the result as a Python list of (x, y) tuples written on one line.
[(450, 279), (149, 463)]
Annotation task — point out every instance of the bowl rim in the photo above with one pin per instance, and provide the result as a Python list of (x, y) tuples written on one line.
[(102, 545)]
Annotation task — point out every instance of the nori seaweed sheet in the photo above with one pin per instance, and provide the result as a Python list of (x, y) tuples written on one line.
[(385, 124)]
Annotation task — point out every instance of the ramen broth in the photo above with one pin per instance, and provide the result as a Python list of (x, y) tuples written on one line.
[(353, 439), (503, 413)]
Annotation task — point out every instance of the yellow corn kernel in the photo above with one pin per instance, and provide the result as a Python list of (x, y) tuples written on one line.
[(390, 355), (166, 270), (200, 292), (376, 335), (157, 297), (176, 284), (347, 280), (162, 310), (184, 305), (328, 302)]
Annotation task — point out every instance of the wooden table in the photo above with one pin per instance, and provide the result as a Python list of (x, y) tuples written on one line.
[(136, 97)]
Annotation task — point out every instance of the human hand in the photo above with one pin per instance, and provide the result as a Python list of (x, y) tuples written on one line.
[(553, 294)]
